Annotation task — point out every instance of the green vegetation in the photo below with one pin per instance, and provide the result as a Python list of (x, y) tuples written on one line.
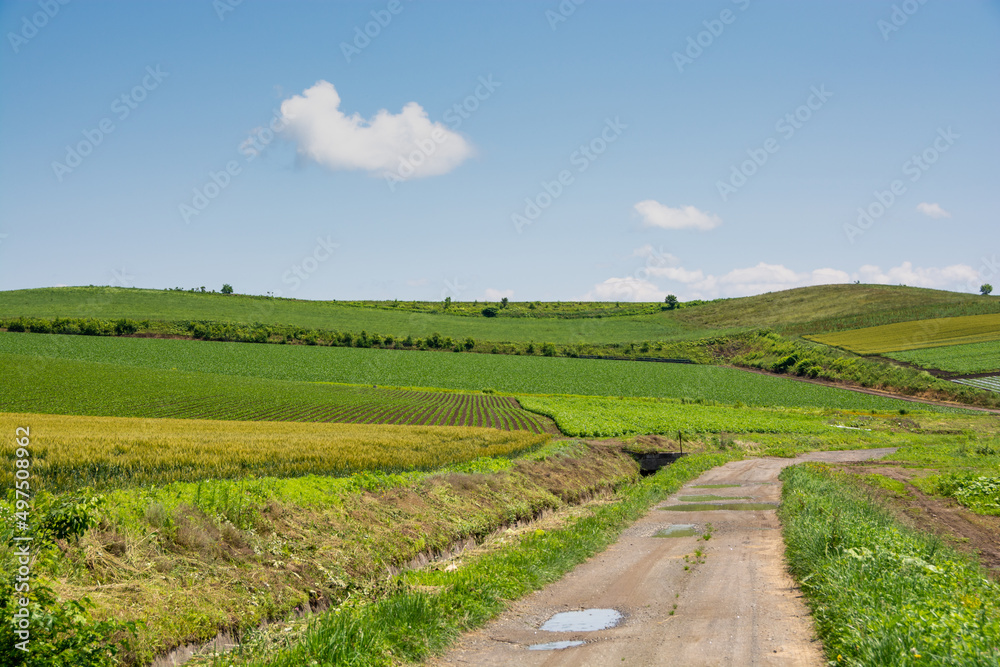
[(967, 358), (513, 374), (882, 594), (427, 609), (916, 335)]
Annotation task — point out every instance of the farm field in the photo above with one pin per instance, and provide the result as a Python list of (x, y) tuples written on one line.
[(967, 358), (991, 383), (61, 386), (72, 452), (510, 374), (916, 335)]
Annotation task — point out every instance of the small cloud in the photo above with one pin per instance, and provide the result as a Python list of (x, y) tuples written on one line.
[(338, 141), (498, 294), (655, 214), (933, 210)]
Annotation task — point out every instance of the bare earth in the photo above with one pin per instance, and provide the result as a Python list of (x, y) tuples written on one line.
[(736, 605)]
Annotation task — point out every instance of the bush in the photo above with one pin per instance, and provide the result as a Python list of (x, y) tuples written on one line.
[(490, 311)]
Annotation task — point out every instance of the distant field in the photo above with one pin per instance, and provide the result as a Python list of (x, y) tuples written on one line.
[(51, 378), (114, 303), (72, 452), (916, 335), (968, 358)]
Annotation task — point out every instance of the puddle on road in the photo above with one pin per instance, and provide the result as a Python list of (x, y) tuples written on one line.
[(586, 620), (677, 530), (554, 646), (706, 498), (715, 486), (708, 507)]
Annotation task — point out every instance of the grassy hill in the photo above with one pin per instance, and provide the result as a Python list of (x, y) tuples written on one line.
[(825, 308), (807, 310)]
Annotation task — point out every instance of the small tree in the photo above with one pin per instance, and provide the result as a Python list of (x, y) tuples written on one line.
[(985, 289), (671, 301), (503, 302), (447, 302), (490, 311), (227, 289)]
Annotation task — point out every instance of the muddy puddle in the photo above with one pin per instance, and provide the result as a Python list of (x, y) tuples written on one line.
[(554, 646), (707, 498), (677, 530), (586, 620), (709, 507)]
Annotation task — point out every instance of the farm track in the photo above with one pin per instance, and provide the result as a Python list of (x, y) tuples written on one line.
[(734, 606)]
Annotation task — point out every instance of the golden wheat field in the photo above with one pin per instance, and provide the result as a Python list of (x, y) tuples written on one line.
[(915, 335), (68, 452)]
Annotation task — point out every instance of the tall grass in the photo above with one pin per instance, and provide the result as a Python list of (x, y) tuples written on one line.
[(880, 593)]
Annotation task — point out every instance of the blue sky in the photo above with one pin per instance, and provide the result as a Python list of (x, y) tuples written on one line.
[(606, 150)]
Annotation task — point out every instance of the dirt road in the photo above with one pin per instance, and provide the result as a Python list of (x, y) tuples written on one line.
[(734, 605)]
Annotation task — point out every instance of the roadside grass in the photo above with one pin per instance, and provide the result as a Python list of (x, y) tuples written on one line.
[(967, 358), (45, 361), (882, 594), (429, 608)]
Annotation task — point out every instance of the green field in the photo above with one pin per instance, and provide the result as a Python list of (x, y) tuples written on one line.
[(968, 358), (916, 335), (511, 374)]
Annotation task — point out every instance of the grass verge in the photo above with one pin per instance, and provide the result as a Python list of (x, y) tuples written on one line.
[(882, 594), (429, 609)]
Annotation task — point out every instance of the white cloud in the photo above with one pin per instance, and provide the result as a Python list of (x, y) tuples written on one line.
[(385, 142), (498, 294), (625, 289), (655, 214), (696, 284), (933, 210), (906, 274)]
